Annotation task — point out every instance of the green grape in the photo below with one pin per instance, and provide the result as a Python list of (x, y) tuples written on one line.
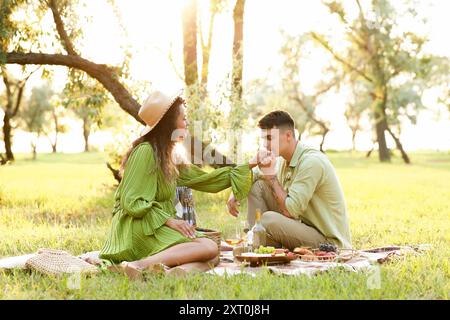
[(263, 249)]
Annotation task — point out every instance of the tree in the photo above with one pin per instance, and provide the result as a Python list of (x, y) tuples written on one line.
[(380, 54), (196, 93), (238, 48), (216, 6), (14, 90), (238, 112), (33, 115), (356, 110), (189, 17), (55, 125), (12, 50), (86, 98), (87, 116), (293, 51), (192, 32)]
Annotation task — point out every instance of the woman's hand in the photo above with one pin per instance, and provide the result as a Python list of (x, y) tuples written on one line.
[(181, 226), (233, 205), (267, 165), (260, 158)]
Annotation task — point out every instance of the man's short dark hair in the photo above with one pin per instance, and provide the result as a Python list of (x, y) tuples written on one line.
[(280, 119)]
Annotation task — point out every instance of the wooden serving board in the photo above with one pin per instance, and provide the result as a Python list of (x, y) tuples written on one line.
[(265, 259)]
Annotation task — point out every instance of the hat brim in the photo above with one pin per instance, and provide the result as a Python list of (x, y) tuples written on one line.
[(146, 130), (175, 96)]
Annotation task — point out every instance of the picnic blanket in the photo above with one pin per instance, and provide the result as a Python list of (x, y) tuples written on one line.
[(362, 260)]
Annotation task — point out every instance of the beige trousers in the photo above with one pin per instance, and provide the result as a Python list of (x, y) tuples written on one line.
[(281, 230)]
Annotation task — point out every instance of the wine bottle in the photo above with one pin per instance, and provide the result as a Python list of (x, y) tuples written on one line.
[(258, 232)]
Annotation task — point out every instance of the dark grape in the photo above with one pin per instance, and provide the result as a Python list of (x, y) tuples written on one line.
[(327, 247)]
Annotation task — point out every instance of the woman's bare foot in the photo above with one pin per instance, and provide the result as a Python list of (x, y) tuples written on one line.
[(132, 272), (157, 268), (136, 273), (178, 272)]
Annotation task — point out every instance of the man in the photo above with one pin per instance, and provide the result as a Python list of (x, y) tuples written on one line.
[(299, 194)]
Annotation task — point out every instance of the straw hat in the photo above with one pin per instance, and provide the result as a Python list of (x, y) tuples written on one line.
[(155, 107)]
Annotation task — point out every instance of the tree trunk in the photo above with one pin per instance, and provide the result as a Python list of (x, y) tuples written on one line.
[(399, 146), (353, 140), (206, 46), (2, 160), (383, 151), (324, 134), (379, 110), (86, 133), (12, 107), (238, 48), (33, 150), (55, 120), (7, 137), (237, 115), (189, 17)]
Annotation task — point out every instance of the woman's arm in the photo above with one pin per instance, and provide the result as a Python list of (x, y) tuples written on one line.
[(239, 178)]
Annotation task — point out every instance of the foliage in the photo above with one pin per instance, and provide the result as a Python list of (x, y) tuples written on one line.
[(381, 52), (34, 113)]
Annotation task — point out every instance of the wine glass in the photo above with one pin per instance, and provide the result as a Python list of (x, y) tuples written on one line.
[(238, 234)]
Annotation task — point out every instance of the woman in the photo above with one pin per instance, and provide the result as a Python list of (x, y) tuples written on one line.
[(145, 235)]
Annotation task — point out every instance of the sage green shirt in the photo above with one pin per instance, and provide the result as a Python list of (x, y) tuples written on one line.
[(315, 195)]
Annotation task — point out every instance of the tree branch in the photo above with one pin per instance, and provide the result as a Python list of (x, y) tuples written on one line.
[(104, 74), (337, 57), (399, 146), (21, 87), (327, 88), (64, 37), (8, 89), (309, 113)]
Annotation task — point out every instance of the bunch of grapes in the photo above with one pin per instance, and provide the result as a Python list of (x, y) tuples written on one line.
[(327, 247), (263, 249)]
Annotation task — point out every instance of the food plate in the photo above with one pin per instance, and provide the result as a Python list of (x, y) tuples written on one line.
[(314, 258), (315, 255), (258, 259)]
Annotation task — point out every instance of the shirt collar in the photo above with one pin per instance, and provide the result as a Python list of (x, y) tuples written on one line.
[(298, 152)]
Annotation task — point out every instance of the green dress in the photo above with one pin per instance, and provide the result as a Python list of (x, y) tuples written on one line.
[(144, 202)]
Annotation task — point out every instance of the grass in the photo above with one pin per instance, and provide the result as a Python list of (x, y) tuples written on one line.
[(64, 201)]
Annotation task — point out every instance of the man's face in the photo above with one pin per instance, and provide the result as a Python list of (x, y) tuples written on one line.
[(275, 140)]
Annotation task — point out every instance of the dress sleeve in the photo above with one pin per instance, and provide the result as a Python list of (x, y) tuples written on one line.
[(239, 178), (139, 189)]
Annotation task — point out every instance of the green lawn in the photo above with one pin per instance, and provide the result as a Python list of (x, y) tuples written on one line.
[(64, 201)]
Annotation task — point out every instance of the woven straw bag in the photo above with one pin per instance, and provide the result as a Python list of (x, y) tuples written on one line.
[(58, 262)]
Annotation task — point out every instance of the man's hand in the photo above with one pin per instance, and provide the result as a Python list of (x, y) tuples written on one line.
[(232, 205), (181, 226)]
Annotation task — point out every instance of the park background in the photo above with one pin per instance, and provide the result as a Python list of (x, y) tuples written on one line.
[(367, 82)]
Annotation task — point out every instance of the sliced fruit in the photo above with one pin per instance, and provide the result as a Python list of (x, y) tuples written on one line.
[(302, 251)]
